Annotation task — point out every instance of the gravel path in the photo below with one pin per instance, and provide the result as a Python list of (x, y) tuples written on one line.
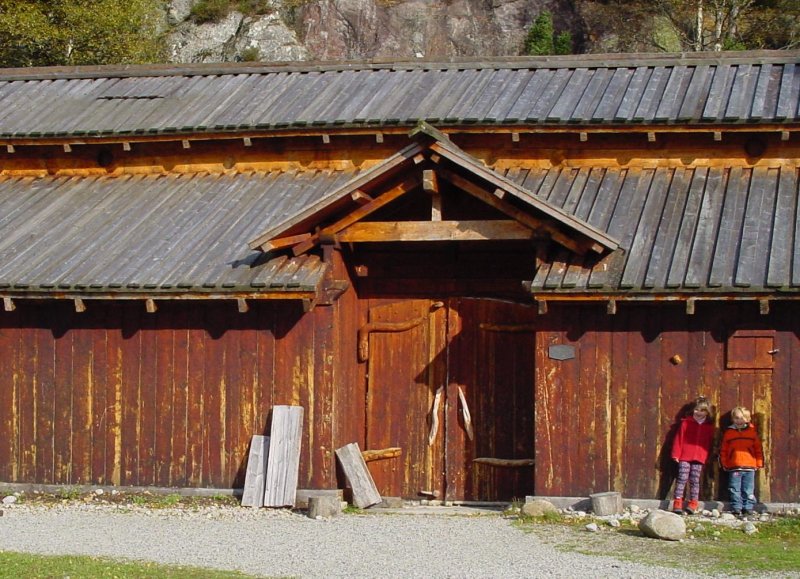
[(281, 543)]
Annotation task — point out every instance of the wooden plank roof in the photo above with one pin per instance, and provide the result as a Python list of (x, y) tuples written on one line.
[(171, 234), (626, 90), (702, 230), (697, 231)]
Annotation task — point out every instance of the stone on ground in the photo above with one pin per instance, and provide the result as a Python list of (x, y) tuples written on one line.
[(538, 508), (663, 525)]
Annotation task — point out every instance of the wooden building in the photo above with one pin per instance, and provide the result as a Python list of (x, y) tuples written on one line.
[(518, 272)]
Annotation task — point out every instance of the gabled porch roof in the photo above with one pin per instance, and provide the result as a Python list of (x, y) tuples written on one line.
[(431, 157)]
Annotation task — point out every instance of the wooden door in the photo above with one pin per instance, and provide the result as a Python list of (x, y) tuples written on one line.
[(478, 355), (404, 345), (491, 381)]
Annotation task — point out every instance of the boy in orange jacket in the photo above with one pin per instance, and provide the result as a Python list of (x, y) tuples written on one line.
[(741, 455)]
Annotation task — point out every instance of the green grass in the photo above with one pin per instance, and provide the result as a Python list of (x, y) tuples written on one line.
[(774, 548), (15, 565)]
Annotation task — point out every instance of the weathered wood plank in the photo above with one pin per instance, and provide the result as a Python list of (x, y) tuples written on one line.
[(365, 493), (283, 462), (781, 250), (255, 477)]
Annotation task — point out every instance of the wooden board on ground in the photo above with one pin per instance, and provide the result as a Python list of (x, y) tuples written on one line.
[(254, 478), (365, 493), (283, 461)]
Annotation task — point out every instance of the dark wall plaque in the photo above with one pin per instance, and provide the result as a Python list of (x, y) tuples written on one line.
[(561, 352)]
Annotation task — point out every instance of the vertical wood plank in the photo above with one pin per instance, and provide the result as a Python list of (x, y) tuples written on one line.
[(196, 403), (63, 405), (130, 402), (45, 394), (82, 404), (253, 494), (283, 461), (163, 338), (180, 399)]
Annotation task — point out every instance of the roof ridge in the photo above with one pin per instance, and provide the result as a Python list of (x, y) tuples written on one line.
[(605, 60)]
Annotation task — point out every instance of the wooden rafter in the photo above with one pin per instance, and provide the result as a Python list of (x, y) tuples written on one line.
[(517, 214), (599, 240), (359, 213)]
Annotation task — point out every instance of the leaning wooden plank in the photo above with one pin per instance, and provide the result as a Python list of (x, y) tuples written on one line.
[(253, 495), (365, 493), (283, 461)]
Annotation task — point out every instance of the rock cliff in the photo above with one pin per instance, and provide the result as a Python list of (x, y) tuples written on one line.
[(364, 29)]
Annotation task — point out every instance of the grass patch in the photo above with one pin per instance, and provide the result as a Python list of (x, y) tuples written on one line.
[(708, 547), (14, 565)]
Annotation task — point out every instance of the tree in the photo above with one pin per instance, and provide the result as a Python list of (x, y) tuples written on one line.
[(542, 38), (77, 32), (540, 35)]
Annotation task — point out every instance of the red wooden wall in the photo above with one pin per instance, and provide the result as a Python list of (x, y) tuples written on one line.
[(118, 396)]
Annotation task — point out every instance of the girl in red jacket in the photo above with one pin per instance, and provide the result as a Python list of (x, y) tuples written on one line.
[(690, 450), (741, 455)]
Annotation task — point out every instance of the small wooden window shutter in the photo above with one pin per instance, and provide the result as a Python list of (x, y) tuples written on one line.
[(750, 350)]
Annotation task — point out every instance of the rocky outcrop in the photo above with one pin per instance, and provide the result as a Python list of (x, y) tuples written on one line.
[(362, 29), (282, 30)]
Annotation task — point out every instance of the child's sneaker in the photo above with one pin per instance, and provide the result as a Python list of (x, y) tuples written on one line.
[(693, 507), (736, 514), (747, 514), (677, 506)]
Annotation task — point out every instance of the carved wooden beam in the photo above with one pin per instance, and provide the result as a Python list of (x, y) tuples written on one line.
[(381, 231), (370, 455)]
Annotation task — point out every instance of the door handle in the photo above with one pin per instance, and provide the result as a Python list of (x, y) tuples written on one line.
[(437, 400), (465, 414)]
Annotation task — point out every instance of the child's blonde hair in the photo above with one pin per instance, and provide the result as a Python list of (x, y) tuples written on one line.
[(745, 413), (701, 403)]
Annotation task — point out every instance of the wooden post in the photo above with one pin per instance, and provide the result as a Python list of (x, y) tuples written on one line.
[(604, 504), (324, 507), (365, 493), (283, 461)]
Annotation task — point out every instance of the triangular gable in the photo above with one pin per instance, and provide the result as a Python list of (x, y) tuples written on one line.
[(341, 215)]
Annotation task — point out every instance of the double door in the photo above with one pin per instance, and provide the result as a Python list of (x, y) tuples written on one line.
[(450, 384)]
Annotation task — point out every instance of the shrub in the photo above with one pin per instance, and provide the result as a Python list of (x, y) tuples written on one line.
[(209, 11)]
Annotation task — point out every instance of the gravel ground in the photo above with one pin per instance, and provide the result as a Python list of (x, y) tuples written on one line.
[(282, 543)]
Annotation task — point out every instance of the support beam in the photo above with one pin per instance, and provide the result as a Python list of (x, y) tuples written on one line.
[(611, 308), (542, 306), (186, 144), (651, 137), (763, 307), (515, 137), (690, 303), (247, 142), (784, 135), (67, 148), (126, 146), (378, 137), (9, 305), (10, 148), (419, 158), (326, 139), (150, 306), (583, 136), (360, 197), (717, 136), (241, 305), (430, 183), (80, 307)]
